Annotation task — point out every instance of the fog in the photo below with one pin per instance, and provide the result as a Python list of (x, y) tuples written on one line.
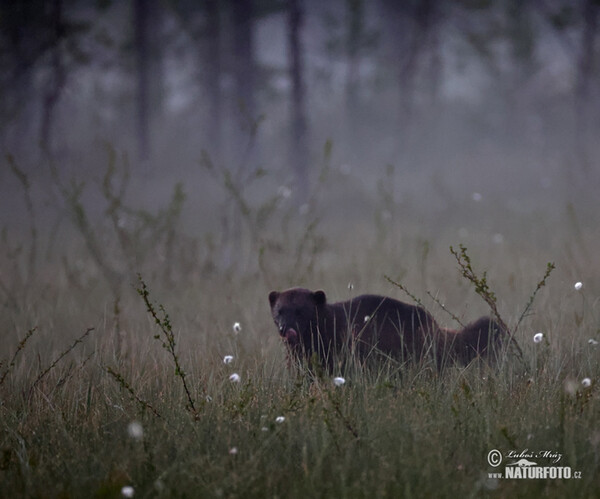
[(419, 115)]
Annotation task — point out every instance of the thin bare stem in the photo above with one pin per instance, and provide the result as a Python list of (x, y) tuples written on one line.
[(169, 343), (60, 357), (20, 347)]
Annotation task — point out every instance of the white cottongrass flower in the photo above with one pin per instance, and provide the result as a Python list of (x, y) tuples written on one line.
[(284, 191), (592, 342), (586, 382), (538, 337), (228, 359), (233, 451), (237, 328), (279, 419), (578, 285), (366, 319), (264, 428), (135, 430), (338, 381), (127, 491), (234, 378), (571, 387)]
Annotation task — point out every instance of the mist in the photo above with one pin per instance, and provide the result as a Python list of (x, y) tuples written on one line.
[(421, 117), (167, 165)]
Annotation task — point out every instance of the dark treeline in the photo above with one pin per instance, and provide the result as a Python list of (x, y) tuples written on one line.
[(426, 85)]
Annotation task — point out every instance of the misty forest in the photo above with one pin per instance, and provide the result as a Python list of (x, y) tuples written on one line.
[(168, 163)]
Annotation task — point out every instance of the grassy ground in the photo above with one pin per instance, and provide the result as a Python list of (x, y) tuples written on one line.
[(92, 399)]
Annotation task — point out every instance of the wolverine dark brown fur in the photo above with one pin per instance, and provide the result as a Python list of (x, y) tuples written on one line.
[(375, 325)]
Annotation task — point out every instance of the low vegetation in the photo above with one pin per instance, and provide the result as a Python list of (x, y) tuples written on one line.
[(173, 382)]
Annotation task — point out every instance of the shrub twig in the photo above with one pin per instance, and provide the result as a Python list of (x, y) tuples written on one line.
[(549, 268), (59, 358), (20, 347), (483, 290), (169, 343), (126, 386), (414, 298), (443, 307)]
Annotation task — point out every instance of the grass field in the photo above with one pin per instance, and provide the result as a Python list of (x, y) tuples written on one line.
[(95, 395)]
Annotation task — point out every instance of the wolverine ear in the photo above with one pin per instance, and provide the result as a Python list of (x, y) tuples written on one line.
[(320, 298), (273, 295)]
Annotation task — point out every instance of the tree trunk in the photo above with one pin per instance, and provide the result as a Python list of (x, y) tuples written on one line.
[(243, 12), (141, 20), (583, 96), (213, 78), (355, 10), (299, 128), (57, 79)]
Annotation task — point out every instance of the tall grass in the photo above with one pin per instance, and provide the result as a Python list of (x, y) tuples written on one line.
[(80, 361)]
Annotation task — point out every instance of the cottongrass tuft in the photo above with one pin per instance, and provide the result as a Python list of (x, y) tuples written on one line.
[(233, 451), (571, 387), (237, 328), (593, 342), (283, 191), (586, 382), (279, 419), (578, 285), (366, 319), (338, 381), (234, 378), (127, 491), (135, 430), (538, 337), (228, 359)]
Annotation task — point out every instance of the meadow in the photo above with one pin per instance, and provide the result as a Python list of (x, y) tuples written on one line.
[(140, 359)]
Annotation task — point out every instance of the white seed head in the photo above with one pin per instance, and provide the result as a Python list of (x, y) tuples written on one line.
[(234, 378), (593, 342), (538, 337), (284, 191), (367, 317), (127, 491), (578, 285), (228, 359), (571, 387), (338, 381), (586, 382), (135, 430), (279, 419), (237, 328), (233, 451)]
